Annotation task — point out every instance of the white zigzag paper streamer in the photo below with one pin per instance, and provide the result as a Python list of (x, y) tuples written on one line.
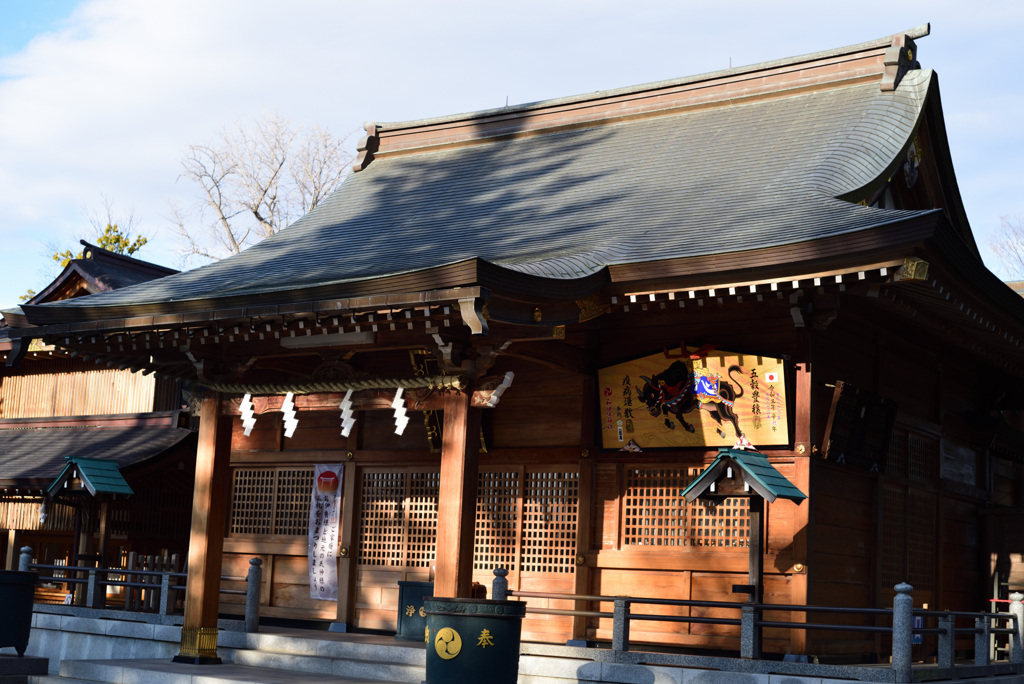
[(500, 389), (290, 421), (401, 420), (248, 419), (347, 420)]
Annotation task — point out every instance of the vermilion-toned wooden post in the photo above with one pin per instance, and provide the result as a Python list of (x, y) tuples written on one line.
[(799, 589), (456, 505), (206, 542)]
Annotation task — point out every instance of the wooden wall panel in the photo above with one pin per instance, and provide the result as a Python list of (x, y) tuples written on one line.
[(549, 628), (542, 408), (963, 576), (80, 393), (605, 521), (266, 434), (376, 600)]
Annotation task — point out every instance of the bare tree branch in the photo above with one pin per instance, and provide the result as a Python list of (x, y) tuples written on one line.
[(1009, 244), (254, 181)]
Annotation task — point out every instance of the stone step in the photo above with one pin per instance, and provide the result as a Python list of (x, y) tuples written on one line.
[(382, 669), (371, 648), (168, 672)]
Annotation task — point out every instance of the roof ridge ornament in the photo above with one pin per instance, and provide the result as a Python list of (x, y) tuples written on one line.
[(366, 147), (900, 58)]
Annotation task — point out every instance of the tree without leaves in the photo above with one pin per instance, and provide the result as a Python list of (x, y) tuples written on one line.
[(254, 181), (1009, 245)]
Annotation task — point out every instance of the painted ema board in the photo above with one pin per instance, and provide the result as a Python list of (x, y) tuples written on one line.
[(710, 399)]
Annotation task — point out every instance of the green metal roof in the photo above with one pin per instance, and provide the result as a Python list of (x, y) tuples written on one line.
[(757, 471), (98, 477)]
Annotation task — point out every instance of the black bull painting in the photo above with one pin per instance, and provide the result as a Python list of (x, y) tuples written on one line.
[(677, 391)]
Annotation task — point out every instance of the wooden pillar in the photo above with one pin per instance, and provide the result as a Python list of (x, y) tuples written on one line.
[(456, 505), (206, 542), (104, 534), (799, 579), (755, 572), (11, 561), (346, 563)]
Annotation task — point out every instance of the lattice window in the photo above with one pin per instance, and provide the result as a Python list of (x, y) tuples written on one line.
[(898, 453), (720, 525), (894, 537), (655, 511), (421, 509), (382, 518), (924, 456), (921, 542), (270, 500), (549, 521), (497, 521), (291, 503), (252, 501)]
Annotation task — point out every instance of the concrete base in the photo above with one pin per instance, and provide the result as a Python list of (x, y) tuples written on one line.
[(196, 660), (23, 665)]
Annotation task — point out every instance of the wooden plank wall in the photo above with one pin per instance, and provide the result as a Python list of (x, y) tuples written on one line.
[(96, 392)]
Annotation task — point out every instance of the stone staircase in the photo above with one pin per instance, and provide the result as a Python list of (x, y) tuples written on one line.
[(270, 658), (295, 658)]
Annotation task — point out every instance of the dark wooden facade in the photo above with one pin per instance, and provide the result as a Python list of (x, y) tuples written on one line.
[(902, 356)]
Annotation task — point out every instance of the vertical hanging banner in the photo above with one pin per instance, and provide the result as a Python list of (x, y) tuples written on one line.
[(324, 516)]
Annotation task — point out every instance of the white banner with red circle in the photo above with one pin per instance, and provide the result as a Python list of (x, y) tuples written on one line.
[(324, 518)]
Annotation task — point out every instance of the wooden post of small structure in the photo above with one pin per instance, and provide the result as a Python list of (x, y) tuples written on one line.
[(206, 542), (756, 570), (456, 505)]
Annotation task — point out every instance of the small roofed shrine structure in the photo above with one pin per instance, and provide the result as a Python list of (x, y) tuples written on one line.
[(514, 337), (56, 404)]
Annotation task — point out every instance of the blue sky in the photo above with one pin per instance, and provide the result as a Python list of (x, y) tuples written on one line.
[(100, 98)]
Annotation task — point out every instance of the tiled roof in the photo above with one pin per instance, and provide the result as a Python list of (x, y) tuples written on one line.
[(98, 477), (566, 204), (41, 453), (758, 472)]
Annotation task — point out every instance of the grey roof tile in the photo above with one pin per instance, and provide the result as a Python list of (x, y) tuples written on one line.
[(566, 204), (41, 452)]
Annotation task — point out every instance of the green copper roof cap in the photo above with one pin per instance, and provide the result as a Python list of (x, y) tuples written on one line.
[(98, 477), (756, 471)]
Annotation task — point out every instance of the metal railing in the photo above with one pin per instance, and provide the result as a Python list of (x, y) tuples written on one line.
[(901, 628), (158, 587)]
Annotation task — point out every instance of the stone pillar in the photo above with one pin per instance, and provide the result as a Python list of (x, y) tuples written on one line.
[(902, 632), (1017, 640), (25, 559), (620, 626), (499, 587), (252, 595)]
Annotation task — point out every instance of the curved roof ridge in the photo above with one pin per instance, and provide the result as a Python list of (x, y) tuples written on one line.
[(885, 41)]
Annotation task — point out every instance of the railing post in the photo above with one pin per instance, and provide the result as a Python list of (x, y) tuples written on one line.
[(499, 587), (750, 631), (25, 559), (947, 640), (252, 595), (902, 632), (620, 626), (92, 591), (165, 592), (981, 639), (1017, 638)]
